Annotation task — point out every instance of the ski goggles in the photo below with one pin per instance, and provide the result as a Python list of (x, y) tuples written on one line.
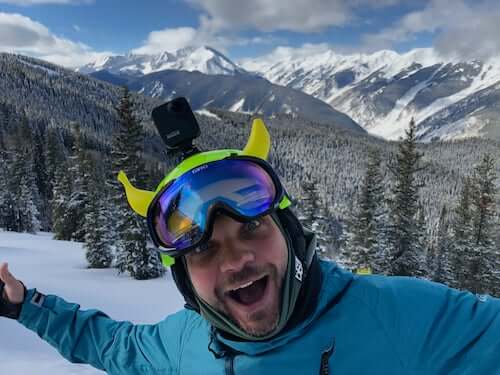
[(180, 217)]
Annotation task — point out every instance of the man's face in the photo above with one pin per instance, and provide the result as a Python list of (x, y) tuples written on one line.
[(240, 272)]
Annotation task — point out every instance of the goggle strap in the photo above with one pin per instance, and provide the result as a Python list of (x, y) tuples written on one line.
[(167, 260), (285, 202)]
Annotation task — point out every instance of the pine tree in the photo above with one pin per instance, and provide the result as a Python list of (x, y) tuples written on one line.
[(312, 213), (495, 285), (482, 267), (28, 211), (442, 270), (407, 257), (98, 247), (7, 204), (133, 254), (462, 237), (63, 223), (422, 243), (25, 195), (365, 246), (41, 177), (54, 156), (78, 199), (6, 201)]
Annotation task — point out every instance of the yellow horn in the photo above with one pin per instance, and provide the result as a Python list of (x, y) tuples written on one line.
[(138, 199), (259, 141)]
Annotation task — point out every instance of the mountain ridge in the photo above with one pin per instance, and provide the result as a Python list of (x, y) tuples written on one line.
[(384, 90)]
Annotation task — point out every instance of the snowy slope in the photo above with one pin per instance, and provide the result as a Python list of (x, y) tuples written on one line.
[(59, 267)]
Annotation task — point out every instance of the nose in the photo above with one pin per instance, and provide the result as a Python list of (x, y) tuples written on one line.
[(235, 256)]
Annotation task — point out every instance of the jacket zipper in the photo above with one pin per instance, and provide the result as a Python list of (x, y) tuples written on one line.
[(325, 357), (229, 363)]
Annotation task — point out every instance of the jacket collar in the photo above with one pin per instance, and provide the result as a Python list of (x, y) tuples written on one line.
[(334, 282)]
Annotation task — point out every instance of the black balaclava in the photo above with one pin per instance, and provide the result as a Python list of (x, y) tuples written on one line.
[(301, 296)]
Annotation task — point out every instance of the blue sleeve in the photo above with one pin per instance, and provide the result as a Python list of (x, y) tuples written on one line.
[(437, 329), (90, 336)]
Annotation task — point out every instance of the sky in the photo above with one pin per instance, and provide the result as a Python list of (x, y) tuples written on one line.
[(74, 32)]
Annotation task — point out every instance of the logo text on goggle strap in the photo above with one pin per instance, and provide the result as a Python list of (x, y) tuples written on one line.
[(299, 270), (198, 169), (173, 134)]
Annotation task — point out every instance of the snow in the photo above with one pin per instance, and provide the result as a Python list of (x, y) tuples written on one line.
[(46, 70), (461, 129), (312, 69), (207, 113), (59, 267), (101, 61), (398, 119), (202, 59), (487, 77), (157, 89), (236, 107), (422, 56), (282, 66)]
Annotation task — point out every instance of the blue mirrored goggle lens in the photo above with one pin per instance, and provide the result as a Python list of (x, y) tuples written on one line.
[(181, 214)]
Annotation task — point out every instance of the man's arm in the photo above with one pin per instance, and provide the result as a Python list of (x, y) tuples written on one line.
[(441, 330), (89, 336)]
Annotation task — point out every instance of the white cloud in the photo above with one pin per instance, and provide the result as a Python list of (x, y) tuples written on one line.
[(20, 34), (463, 29), (282, 52), (168, 40), (177, 38), (39, 2), (294, 15)]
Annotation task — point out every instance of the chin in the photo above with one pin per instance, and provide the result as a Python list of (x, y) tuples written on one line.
[(260, 328)]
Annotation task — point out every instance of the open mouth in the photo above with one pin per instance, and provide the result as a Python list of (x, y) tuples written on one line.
[(251, 292)]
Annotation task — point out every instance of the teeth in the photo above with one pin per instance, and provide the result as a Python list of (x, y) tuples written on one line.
[(244, 285)]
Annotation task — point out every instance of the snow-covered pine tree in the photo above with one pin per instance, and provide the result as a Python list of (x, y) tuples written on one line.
[(422, 238), (7, 212), (312, 213), (8, 209), (55, 155), (495, 287), (462, 237), (41, 177), (482, 269), (26, 197), (27, 203), (407, 257), (63, 222), (364, 245), (133, 255), (98, 247), (79, 172), (442, 270)]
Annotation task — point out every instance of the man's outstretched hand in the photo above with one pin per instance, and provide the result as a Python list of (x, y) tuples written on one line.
[(11, 293)]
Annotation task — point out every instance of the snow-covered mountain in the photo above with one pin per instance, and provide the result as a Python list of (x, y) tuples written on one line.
[(237, 93), (209, 79), (448, 98), (202, 59)]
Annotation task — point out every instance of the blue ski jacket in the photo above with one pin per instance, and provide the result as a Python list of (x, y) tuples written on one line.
[(361, 324)]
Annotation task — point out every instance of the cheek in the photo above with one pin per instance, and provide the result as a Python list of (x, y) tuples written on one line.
[(275, 251), (203, 281)]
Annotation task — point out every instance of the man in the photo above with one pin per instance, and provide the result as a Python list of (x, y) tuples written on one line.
[(258, 299)]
